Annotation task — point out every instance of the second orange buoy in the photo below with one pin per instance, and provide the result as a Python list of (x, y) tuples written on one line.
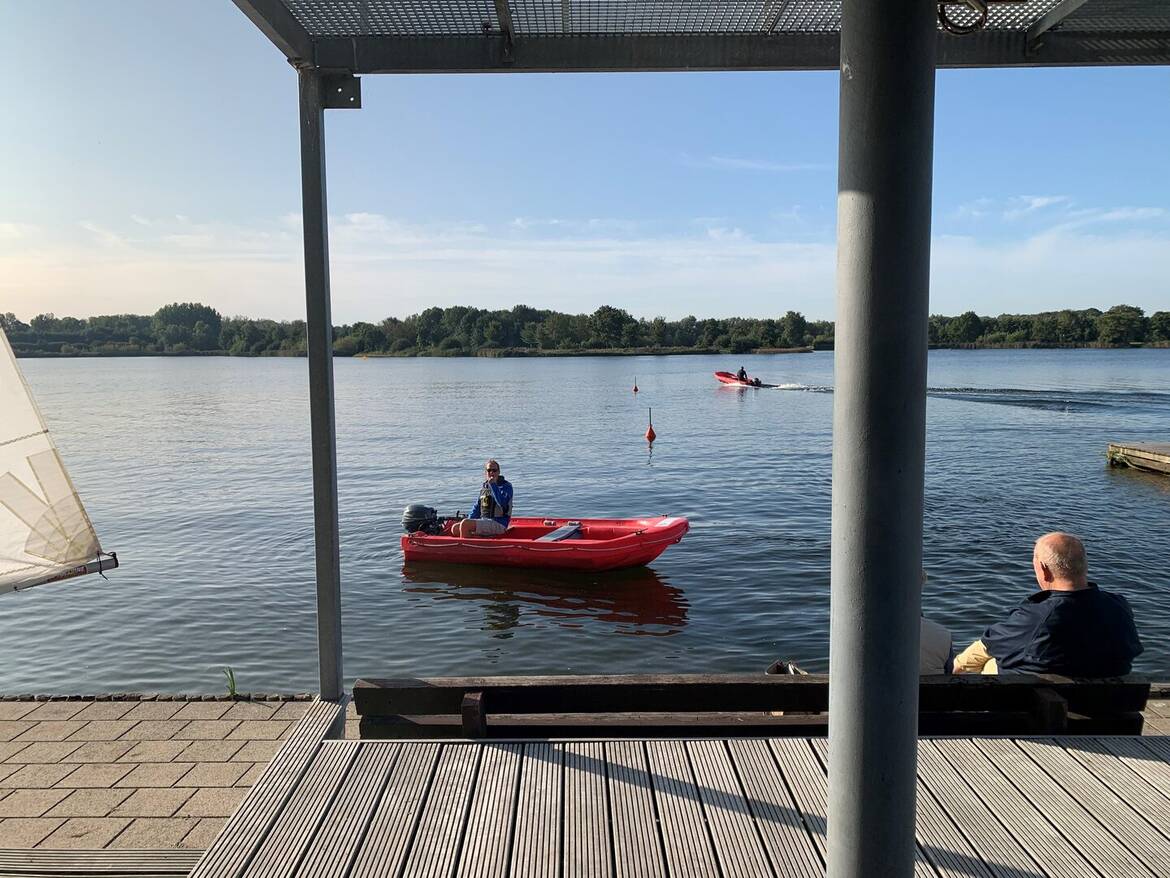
[(650, 434), (635, 384)]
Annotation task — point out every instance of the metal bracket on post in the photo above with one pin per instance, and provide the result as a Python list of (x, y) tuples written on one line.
[(342, 91), (1048, 21), (504, 14)]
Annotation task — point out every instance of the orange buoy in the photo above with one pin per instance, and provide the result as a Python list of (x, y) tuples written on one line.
[(650, 434), (635, 384)]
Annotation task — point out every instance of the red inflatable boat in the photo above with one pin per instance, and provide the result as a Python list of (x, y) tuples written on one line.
[(730, 378), (561, 543)]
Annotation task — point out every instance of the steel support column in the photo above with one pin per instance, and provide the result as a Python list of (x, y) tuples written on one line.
[(879, 431), (319, 330)]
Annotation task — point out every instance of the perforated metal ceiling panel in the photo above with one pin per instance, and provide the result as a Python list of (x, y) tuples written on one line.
[(466, 35)]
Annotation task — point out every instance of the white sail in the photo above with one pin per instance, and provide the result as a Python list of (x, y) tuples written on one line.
[(45, 534)]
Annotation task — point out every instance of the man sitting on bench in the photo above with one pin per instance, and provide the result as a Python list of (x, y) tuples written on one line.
[(1069, 627)]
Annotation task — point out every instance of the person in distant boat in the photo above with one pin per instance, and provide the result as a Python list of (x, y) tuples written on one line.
[(741, 374), (1069, 627), (493, 508)]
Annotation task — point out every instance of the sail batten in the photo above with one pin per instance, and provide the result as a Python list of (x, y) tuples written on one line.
[(45, 532)]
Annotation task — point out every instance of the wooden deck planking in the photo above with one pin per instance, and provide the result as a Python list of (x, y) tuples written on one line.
[(742, 808), (536, 846), (586, 824), (785, 836), (680, 812), (392, 826), (1087, 834), (336, 842), (233, 849), (734, 835), (1143, 842), (820, 746), (637, 846), (439, 836), (488, 839), (1001, 800), (280, 853), (996, 847)]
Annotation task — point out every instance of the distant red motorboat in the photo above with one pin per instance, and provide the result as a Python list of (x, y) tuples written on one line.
[(559, 543), (731, 378)]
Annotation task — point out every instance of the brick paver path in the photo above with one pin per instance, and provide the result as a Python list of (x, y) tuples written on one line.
[(131, 774)]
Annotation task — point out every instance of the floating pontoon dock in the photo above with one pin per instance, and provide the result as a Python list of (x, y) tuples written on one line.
[(1152, 456)]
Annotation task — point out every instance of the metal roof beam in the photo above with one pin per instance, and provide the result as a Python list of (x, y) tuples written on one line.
[(1051, 19), (680, 52), (504, 14), (278, 24)]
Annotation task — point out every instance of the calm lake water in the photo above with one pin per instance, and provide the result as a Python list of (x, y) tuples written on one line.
[(197, 472)]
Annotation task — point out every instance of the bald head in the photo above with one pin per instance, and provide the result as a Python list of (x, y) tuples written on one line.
[(1059, 562)]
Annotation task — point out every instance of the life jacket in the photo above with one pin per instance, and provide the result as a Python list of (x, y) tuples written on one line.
[(488, 507)]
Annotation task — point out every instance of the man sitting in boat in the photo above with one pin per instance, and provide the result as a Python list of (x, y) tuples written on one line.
[(1069, 627), (741, 374), (493, 509)]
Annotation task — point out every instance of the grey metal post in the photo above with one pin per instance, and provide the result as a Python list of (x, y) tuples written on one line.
[(319, 330), (879, 431)]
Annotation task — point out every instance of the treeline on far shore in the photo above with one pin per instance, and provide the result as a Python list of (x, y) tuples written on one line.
[(192, 328)]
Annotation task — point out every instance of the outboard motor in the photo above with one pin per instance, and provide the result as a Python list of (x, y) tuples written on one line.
[(417, 517)]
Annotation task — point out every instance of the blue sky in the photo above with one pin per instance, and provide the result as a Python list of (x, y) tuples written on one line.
[(151, 155)]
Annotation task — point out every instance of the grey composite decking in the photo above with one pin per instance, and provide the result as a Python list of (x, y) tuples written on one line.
[(741, 808)]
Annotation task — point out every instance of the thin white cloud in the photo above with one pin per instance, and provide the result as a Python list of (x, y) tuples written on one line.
[(1024, 205), (102, 235), (16, 231), (141, 220)]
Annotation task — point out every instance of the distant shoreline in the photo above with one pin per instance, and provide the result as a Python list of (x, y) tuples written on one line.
[(522, 353)]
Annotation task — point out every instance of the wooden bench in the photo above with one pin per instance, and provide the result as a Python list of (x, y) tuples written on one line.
[(723, 705), (97, 864)]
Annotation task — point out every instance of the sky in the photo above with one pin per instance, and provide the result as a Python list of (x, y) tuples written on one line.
[(151, 155)]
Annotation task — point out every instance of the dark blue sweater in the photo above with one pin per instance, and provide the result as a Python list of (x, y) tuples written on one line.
[(1085, 633)]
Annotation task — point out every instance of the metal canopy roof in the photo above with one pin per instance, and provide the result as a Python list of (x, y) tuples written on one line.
[(468, 36)]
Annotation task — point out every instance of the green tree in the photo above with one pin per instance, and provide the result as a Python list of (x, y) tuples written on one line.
[(793, 327), (1121, 325), (964, 329), (1160, 326)]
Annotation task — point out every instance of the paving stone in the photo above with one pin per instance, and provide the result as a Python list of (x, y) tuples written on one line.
[(103, 730), (89, 833), (256, 710), (104, 710), (1160, 707), (1153, 726), (353, 730), (249, 777), (23, 832), (153, 803), (206, 730), (89, 803), (291, 711), (9, 749), (98, 751), (204, 710), (153, 710), (155, 832), (213, 802), (97, 774), (155, 774), (9, 729), (204, 833), (260, 730), (154, 751), (154, 730), (6, 770), (51, 730), (33, 777), (257, 751), (45, 752), (16, 709), (211, 751), (56, 710), (31, 803), (210, 774)]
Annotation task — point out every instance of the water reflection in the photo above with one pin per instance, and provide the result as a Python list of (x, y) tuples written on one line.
[(637, 601)]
